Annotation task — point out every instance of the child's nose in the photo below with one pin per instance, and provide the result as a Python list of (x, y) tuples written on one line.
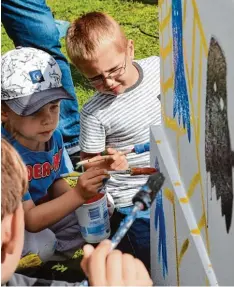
[(108, 82), (47, 118)]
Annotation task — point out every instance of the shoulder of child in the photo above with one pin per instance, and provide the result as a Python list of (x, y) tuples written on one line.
[(94, 103), (150, 59)]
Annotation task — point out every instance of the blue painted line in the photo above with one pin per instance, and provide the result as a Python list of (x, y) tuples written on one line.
[(181, 101), (160, 226)]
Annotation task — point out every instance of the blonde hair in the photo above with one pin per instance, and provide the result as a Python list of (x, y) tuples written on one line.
[(87, 33), (14, 179)]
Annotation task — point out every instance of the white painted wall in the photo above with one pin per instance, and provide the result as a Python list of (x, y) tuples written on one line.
[(201, 20)]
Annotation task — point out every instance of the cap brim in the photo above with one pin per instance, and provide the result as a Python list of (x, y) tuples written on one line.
[(25, 106)]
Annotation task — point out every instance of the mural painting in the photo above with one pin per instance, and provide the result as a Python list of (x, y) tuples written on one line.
[(191, 221)]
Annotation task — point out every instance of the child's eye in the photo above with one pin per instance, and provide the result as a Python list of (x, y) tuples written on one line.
[(54, 107)]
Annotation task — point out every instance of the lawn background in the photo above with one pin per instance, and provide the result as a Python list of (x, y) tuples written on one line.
[(137, 18)]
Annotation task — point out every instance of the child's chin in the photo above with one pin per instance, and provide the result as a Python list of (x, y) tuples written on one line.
[(114, 93), (44, 137)]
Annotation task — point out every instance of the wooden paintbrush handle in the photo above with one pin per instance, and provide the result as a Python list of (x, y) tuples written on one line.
[(104, 157), (143, 170)]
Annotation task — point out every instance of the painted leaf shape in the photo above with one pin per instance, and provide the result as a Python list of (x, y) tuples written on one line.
[(202, 221), (183, 250)]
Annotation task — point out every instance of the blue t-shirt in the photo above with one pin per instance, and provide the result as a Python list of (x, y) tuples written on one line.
[(44, 167)]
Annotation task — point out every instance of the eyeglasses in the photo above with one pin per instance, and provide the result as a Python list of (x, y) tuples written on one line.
[(112, 75)]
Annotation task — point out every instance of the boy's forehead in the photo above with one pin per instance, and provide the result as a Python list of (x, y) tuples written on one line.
[(107, 58)]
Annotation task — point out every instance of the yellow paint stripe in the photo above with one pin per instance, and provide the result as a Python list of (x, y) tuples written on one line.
[(168, 84), (185, 10), (183, 250), (165, 52), (195, 231), (166, 21), (177, 183), (158, 141), (176, 245), (168, 193), (193, 52), (173, 125), (202, 221), (199, 97), (193, 123), (178, 150), (193, 183), (184, 200), (200, 27)]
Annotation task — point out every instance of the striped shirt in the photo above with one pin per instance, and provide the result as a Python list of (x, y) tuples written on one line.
[(121, 122)]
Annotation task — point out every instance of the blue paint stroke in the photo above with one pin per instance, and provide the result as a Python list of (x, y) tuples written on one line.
[(160, 223), (181, 101)]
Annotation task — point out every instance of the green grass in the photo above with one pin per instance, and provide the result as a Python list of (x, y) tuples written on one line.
[(135, 17)]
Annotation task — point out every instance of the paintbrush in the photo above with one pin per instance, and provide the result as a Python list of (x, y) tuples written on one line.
[(134, 171), (131, 171), (138, 148), (141, 201)]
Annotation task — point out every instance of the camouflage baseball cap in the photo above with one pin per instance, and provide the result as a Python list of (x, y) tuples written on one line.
[(30, 79)]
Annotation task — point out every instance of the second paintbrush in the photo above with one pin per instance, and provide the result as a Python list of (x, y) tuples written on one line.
[(138, 148), (134, 171), (131, 171)]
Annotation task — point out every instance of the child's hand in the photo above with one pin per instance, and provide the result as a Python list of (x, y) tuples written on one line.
[(90, 181), (118, 161), (105, 268)]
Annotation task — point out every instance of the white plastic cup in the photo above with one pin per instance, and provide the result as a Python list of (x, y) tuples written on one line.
[(94, 220)]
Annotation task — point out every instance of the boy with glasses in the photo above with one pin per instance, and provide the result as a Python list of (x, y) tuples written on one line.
[(118, 116)]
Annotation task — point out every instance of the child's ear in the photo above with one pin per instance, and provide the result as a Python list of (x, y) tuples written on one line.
[(130, 49), (12, 228), (6, 229), (4, 113)]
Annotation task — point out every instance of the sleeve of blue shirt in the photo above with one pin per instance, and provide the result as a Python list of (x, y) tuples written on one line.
[(26, 196), (65, 165)]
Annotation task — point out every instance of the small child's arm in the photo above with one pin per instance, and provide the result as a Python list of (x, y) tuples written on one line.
[(44, 215)]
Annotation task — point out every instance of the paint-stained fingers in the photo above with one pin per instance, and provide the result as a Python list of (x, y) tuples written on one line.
[(88, 250), (114, 270), (142, 277), (97, 264), (129, 270)]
